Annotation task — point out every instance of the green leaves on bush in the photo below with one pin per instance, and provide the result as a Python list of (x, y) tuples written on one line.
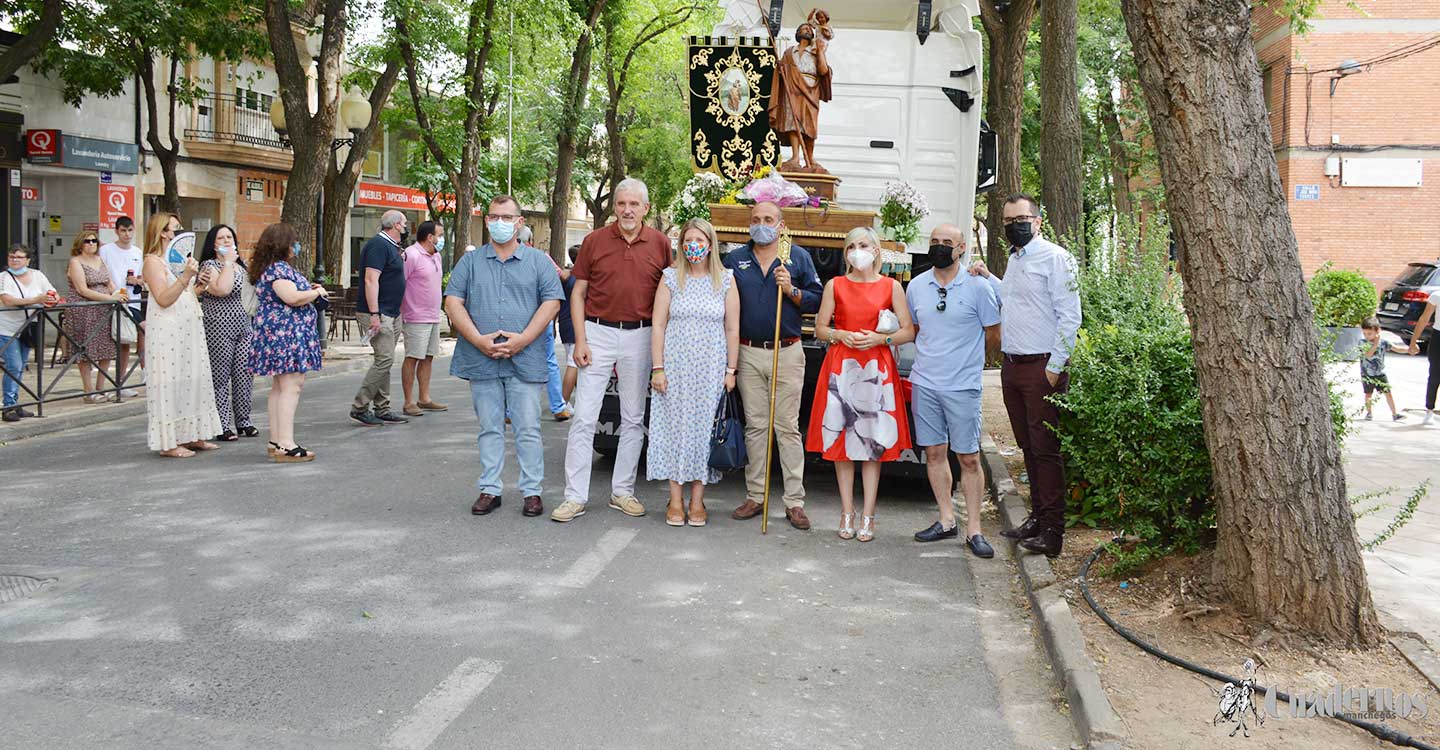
[(1342, 299), (1131, 424)]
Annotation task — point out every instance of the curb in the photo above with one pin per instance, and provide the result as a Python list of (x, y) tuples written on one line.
[(1099, 727), (31, 428)]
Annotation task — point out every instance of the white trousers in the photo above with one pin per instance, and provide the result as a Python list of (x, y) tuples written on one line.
[(628, 353)]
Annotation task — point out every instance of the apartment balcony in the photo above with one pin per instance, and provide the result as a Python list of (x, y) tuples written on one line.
[(235, 129)]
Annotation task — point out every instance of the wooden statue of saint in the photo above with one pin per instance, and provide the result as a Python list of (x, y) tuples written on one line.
[(802, 81)]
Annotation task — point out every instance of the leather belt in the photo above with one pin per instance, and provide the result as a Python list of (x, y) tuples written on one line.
[(770, 343), (1019, 359), (628, 325)]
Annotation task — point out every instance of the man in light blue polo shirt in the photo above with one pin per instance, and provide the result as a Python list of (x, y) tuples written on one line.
[(500, 300), (957, 315)]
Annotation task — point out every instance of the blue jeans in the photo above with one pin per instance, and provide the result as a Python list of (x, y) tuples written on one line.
[(493, 399), (557, 394), (15, 354)]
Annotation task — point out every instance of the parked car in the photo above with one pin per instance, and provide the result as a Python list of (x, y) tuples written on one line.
[(1402, 303)]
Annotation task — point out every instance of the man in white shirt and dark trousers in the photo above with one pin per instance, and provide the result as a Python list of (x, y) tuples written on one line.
[(1039, 318), (124, 261)]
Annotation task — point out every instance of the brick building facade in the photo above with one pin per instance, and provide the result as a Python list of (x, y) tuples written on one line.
[(1355, 118)]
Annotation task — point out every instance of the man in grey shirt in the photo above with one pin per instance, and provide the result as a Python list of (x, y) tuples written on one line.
[(1039, 318)]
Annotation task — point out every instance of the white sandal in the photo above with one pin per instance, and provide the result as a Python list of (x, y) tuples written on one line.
[(867, 529), (847, 526)]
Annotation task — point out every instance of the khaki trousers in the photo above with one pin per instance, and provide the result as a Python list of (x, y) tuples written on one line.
[(375, 388), (753, 380)]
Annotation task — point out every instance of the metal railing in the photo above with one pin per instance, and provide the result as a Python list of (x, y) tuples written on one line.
[(223, 118), (47, 384)]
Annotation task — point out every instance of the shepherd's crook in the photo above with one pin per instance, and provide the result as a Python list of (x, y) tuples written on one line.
[(784, 255)]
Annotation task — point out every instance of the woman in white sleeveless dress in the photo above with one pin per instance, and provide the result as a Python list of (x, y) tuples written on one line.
[(179, 394)]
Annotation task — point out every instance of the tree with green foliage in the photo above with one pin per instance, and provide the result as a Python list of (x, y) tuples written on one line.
[(37, 23), (156, 42), (567, 136), (1007, 32), (1286, 548)]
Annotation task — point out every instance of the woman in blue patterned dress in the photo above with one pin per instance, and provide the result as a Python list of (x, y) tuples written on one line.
[(694, 345), (285, 344)]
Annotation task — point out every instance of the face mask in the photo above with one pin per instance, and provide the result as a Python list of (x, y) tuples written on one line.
[(942, 256), (861, 260), (404, 236), (695, 252), (21, 271), (295, 249), (1020, 233), (439, 244), (764, 234), (501, 231), (225, 251)]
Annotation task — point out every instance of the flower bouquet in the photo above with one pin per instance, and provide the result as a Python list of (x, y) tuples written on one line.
[(695, 198), (901, 209)]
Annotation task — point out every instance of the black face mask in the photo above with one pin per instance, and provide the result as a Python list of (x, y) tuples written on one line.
[(404, 237), (1020, 233), (941, 256)]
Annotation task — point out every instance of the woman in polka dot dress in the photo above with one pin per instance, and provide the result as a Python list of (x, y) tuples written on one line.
[(227, 333), (285, 344)]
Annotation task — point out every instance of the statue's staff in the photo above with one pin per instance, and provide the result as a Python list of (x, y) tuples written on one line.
[(784, 255)]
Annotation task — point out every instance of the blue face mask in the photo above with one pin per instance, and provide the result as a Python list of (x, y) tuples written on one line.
[(21, 271), (501, 231), (295, 249), (764, 234), (439, 244)]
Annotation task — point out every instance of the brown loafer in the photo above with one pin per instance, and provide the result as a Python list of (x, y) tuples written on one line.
[(533, 506), (749, 510), (485, 504), (412, 411), (797, 518), (433, 406)]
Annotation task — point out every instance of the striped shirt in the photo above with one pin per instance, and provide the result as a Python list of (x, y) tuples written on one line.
[(1039, 303)]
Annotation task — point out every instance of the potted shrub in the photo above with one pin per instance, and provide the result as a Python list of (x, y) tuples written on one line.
[(1343, 300)]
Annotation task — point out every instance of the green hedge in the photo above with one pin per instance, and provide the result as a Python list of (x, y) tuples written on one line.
[(1342, 298)]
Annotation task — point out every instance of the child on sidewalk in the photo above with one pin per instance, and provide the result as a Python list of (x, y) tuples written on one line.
[(1372, 368)]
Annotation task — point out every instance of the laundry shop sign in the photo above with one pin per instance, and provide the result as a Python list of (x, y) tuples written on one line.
[(78, 152)]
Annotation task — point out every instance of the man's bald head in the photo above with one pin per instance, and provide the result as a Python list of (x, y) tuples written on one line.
[(949, 235)]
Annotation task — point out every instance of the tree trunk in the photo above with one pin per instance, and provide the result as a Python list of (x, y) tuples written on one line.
[(340, 181), (1287, 550), (167, 156), (1006, 34), (1119, 158), (1060, 149), (34, 40), (310, 134), (565, 139)]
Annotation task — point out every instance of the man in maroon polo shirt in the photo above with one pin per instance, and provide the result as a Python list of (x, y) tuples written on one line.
[(616, 274)]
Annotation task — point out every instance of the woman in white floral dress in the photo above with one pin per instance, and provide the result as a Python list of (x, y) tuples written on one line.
[(859, 408), (694, 345)]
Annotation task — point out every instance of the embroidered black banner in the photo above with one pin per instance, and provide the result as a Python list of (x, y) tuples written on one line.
[(730, 81)]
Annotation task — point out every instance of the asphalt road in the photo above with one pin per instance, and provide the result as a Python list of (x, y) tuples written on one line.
[(225, 601)]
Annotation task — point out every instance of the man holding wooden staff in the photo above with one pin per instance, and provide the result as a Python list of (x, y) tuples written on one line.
[(760, 275)]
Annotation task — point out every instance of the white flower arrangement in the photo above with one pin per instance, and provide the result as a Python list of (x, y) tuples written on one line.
[(694, 200), (901, 209)]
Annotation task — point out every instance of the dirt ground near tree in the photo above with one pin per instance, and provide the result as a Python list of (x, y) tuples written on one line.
[(1169, 605)]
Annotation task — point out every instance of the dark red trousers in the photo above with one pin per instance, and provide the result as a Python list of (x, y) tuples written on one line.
[(1034, 420)]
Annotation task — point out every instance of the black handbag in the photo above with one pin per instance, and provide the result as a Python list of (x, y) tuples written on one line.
[(727, 438)]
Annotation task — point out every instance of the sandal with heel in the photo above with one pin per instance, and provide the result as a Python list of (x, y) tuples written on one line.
[(867, 529), (847, 526), (296, 455)]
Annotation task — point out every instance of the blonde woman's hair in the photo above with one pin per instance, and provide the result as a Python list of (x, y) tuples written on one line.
[(78, 246), (682, 266), (862, 233), (154, 243)]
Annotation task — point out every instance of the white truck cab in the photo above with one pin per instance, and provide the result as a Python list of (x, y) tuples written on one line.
[(902, 109)]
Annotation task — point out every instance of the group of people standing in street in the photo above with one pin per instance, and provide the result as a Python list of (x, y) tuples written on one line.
[(678, 328)]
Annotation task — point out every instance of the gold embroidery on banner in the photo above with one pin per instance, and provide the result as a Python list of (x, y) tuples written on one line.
[(702, 147), (701, 58), (732, 167), (732, 92)]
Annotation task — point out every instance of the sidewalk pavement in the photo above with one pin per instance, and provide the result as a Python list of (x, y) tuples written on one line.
[(340, 356), (1404, 572)]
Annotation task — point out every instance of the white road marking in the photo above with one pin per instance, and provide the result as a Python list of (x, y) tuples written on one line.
[(592, 562), (442, 705)]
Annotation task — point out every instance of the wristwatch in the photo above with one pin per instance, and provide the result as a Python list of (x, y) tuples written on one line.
[(887, 340)]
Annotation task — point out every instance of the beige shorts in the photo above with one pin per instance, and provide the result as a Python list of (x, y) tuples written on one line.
[(422, 340)]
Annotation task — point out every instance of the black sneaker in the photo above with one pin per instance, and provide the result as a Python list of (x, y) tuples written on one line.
[(24, 414), (11, 415), (387, 417), (365, 418)]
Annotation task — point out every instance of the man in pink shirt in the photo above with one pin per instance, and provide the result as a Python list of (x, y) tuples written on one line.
[(420, 316)]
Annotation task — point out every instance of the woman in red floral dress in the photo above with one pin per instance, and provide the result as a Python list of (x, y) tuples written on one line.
[(859, 408)]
